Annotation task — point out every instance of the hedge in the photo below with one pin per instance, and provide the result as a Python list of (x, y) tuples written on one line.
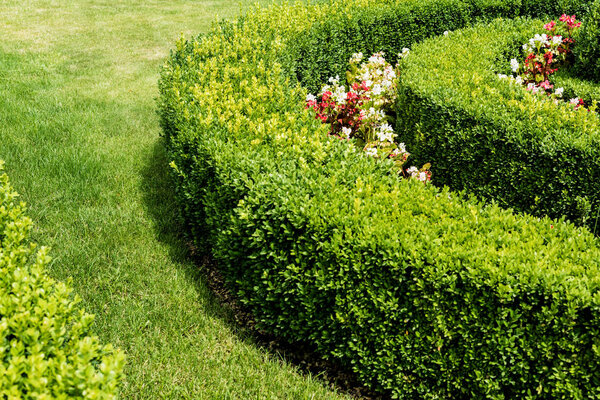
[(424, 293), (46, 347), (587, 51), (576, 86), (331, 36), (492, 137)]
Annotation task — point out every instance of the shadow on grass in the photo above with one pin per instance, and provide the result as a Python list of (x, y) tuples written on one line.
[(161, 206), (202, 270)]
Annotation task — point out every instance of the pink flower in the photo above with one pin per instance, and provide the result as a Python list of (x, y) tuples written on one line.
[(550, 26), (571, 21), (546, 85)]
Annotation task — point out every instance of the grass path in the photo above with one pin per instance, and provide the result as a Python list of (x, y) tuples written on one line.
[(81, 143)]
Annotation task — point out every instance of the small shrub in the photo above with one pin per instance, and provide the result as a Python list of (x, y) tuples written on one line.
[(46, 347)]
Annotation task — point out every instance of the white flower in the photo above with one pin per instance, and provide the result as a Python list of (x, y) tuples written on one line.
[(519, 80), (514, 65), (502, 76), (356, 58), (389, 74), (405, 52), (559, 91), (402, 148), (423, 176), (377, 58), (325, 88), (375, 115), (557, 40), (446, 33), (385, 133), (574, 100), (346, 131), (541, 39), (371, 152), (310, 97), (376, 89), (413, 172), (340, 95), (335, 80)]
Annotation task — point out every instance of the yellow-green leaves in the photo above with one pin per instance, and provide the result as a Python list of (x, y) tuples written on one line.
[(46, 347)]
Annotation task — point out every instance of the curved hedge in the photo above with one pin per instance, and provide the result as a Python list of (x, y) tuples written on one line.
[(326, 38), (575, 86), (587, 51), (46, 351), (423, 293), (492, 137)]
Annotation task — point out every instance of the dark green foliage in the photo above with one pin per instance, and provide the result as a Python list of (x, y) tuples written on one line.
[(577, 86), (425, 294), (587, 51), (494, 138)]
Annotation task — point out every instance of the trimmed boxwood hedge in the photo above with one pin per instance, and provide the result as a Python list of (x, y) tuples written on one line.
[(46, 347), (424, 293), (494, 138), (587, 51), (328, 39)]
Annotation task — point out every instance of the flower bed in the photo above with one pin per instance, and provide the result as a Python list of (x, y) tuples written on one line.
[(425, 294)]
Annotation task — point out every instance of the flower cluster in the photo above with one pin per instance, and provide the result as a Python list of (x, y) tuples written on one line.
[(544, 54), (361, 112)]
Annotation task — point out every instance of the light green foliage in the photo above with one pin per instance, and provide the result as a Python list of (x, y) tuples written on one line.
[(492, 137), (587, 49), (425, 294), (46, 347)]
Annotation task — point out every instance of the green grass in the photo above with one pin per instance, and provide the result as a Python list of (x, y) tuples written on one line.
[(80, 138)]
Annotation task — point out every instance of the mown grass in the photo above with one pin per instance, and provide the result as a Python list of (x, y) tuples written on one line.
[(80, 138)]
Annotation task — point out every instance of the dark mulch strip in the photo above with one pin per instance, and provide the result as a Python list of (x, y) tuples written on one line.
[(301, 355)]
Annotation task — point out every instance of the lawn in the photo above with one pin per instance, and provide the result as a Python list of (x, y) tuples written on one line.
[(80, 138)]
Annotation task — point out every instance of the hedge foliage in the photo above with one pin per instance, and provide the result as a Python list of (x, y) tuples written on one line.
[(492, 137), (577, 86), (587, 51), (46, 347), (424, 293), (331, 36)]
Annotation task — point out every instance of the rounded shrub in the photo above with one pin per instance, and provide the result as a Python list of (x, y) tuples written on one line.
[(423, 293), (587, 51), (46, 347), (493, 137)]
